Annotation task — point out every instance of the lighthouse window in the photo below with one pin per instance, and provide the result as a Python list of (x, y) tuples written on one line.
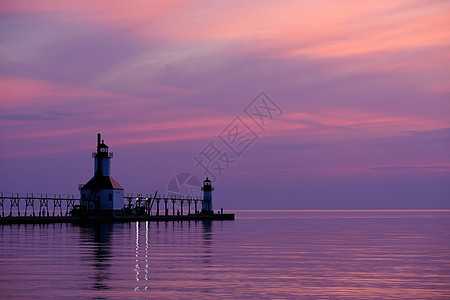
[(110, 197)]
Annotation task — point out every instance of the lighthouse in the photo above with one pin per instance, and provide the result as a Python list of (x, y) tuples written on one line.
[(207, 197), (102, 192)]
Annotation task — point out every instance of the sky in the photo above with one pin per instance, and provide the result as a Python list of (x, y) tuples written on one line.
[(285, 104)]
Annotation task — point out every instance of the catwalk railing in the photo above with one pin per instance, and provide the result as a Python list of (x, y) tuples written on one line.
[(41, 205)]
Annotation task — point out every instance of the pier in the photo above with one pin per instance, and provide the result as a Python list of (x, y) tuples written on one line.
[(102, 199), (18, 208)]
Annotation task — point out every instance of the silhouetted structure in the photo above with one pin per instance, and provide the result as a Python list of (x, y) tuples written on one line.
[(102, 192), (102, 199), (207, 197)]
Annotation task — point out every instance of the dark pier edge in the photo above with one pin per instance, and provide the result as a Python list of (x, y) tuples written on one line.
[(123, 219)]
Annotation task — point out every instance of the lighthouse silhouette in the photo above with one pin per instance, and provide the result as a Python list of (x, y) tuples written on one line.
[(102, 192), (207, 197)]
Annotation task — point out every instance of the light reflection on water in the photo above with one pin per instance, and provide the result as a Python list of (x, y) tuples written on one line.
[(262, 254)]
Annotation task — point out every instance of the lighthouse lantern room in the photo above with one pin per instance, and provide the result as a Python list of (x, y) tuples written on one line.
[(207, 197), (102, 192)]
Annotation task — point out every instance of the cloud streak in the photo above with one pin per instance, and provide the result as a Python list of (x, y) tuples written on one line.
[(410, 168), (364, 86)]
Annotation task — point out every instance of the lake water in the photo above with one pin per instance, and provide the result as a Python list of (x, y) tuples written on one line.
[(260, 255)]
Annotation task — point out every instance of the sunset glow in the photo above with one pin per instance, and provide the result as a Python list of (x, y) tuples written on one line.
[(364, 89)]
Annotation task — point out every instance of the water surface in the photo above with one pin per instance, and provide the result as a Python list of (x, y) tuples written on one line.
[(262, 254)]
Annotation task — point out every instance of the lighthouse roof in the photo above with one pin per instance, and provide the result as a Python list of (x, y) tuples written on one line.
[(102, 183)]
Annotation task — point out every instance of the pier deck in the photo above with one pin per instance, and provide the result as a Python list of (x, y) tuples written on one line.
[(123, 219), (33, 209)]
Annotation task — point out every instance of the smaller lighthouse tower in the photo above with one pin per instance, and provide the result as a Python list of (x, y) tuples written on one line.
[(207, 197)]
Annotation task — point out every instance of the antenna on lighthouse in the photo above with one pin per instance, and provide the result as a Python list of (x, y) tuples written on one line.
[(99, 139)]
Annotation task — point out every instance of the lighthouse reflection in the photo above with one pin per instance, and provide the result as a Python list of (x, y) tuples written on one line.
[(96, 239), (161, 255), (207, 242), (141, 254), (150, 255)]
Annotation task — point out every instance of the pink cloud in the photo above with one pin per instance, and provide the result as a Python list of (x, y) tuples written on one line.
[(353, 28), (35, 110), (323, 28), (337, 122), (354, 79), (98, 10), (22, 92)]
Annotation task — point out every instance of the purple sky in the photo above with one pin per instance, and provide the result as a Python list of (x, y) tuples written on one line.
[(364, 89)]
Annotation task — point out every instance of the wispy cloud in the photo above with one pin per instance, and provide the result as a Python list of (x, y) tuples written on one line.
[(362, 123), (29, 117), (410, 168), (363, 85), (425, 138)]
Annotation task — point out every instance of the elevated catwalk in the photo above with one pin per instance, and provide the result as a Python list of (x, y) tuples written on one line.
[(102, 199), (28, 209)]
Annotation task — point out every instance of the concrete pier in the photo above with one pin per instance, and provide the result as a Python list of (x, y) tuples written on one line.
[(40, 209), (123, 219), (102, 199)]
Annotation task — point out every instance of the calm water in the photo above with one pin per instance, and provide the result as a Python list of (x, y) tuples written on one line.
[(272, 254)]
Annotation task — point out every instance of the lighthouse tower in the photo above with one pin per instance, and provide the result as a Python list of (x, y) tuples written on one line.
[(207, 197), (102, 192)]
